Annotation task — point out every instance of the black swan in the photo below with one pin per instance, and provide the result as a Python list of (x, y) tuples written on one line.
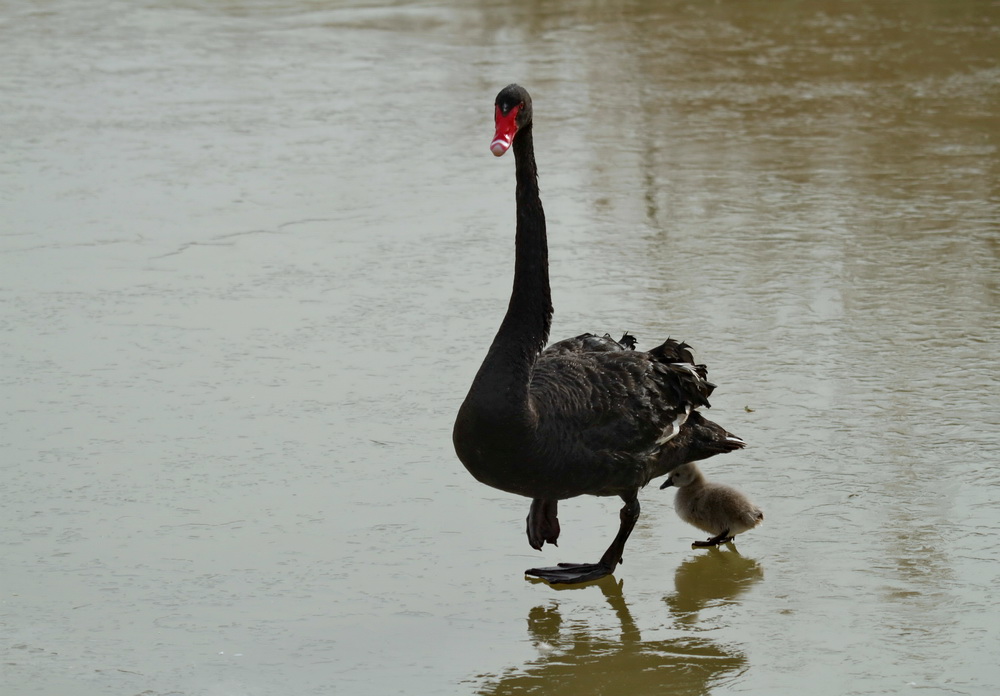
[(587, 416)]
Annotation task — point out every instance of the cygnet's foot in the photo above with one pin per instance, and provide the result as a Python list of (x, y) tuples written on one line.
[(714, 541), (571, 573)]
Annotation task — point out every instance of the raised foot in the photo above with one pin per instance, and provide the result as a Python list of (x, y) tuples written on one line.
[(711, 542), (570, 573)]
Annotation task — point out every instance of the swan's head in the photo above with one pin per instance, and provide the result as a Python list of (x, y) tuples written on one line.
[(513, 112), (684, 475)]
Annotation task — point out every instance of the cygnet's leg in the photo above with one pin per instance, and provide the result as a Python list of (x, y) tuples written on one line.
[(568, 573), (543, 525), (723, 538)]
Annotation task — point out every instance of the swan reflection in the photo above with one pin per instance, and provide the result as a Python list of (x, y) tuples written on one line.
[(576, 658)]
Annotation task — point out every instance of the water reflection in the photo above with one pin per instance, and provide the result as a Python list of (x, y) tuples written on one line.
[(577, 658), (711, 578)]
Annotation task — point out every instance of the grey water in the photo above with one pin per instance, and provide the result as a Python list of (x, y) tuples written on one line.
[(252, 253)]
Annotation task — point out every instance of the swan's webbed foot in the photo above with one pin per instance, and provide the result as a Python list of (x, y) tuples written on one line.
[(571, 573), (543, 524), (723, 538)]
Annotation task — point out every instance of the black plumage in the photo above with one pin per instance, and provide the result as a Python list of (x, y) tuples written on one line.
[(589, 415)]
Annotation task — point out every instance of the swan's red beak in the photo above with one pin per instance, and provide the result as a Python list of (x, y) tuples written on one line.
[(506, 128)]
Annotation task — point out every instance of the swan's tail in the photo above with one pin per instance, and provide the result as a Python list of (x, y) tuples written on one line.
[(699, 439), (709, 439)]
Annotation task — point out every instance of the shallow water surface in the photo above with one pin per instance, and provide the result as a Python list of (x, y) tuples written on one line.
[(253, 252)]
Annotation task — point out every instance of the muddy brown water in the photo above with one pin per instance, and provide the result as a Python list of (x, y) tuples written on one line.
[(253, 252)]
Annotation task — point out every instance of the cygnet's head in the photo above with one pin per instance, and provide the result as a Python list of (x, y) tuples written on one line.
[(683, 475)]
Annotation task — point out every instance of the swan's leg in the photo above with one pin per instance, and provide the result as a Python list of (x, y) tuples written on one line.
[(543, 525), (714, 541), (567, 573)]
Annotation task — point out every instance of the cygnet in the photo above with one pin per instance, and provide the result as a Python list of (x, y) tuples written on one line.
[(712, 507)]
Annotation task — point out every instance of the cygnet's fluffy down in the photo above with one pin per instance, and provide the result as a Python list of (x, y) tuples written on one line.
[(720, 510)]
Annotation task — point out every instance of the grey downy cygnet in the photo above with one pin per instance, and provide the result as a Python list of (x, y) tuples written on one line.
[(719, 510)]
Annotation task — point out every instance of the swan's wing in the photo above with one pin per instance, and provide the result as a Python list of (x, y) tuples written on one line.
[(590, 343), (618, 402)]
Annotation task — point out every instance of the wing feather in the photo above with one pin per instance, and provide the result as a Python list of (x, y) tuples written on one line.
[(623, 401)]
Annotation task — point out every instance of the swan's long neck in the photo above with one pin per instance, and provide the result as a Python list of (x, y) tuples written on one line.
[(529, 314), (505, 374)]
